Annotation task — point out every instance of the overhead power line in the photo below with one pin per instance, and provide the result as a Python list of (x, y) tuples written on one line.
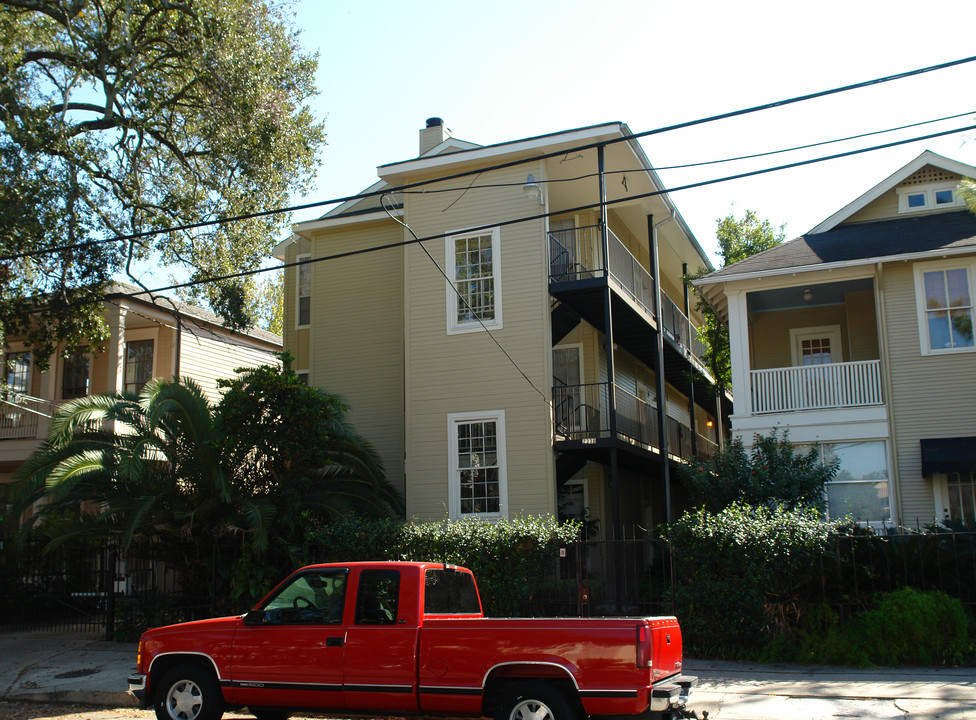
[(624, 138)]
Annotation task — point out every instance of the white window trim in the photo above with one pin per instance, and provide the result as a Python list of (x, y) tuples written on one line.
[(453, 326), (298, 290), (929, 192), (831, 331), (969, 264), (453, 483)]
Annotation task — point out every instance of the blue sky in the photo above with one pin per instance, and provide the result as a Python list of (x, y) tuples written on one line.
[(505, 70)]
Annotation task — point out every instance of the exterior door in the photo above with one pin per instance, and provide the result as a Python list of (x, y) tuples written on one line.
[(567, 373), (814, 348), (291, 653)]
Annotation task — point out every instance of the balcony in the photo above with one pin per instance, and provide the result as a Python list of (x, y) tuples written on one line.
[(577, 254), (581, 414), (816, 387), (23, 417)]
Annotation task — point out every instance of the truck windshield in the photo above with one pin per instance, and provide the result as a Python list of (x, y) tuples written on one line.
[(449, 592)]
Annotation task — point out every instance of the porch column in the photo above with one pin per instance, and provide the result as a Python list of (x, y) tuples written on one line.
[(739, 351), (660, 389), (116, 349), (608, 345)]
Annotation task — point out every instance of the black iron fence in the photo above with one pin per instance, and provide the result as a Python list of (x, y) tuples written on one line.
[(96, 588)]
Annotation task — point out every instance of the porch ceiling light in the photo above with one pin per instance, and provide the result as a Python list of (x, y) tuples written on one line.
[(807, 295), (532, 189)]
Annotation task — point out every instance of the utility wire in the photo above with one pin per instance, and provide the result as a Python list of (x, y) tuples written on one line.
[(623, 138), (528, 218)]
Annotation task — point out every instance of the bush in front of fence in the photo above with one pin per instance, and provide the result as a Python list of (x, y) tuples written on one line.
[(508, 557), (741, 575), (904, 627)]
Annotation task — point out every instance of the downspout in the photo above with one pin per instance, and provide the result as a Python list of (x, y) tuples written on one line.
[(882, 317), (660, 389)]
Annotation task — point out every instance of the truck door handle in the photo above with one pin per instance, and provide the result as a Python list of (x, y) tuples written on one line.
[(333, 642)]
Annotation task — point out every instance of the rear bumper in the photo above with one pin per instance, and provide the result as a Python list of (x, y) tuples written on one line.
[(672, 693)]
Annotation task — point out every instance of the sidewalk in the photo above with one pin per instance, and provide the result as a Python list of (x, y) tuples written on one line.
[(78, 668)]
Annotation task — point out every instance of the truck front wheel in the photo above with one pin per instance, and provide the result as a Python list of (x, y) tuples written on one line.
[(535, 701), (189, 692)]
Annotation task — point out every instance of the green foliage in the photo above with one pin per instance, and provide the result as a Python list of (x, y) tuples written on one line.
[(772, 474), (904, 627), (507, 557), (165, 467), (737, 239), (121, 117), (740, 573)]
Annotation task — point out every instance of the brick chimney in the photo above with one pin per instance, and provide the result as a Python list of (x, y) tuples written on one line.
[(433, 135)]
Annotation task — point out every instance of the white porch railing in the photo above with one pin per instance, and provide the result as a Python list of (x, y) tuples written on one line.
[(817, 387)]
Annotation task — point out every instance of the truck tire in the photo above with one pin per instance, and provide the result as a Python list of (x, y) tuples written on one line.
[(535, 701), (189, 692)]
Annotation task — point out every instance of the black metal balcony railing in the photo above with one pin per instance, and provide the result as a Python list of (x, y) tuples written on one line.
[(577, 254), (581, 413)]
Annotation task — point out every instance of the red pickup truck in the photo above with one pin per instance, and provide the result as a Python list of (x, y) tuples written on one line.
[(399, 638)]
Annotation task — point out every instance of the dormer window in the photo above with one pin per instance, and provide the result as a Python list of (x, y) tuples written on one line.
[(916, 198)]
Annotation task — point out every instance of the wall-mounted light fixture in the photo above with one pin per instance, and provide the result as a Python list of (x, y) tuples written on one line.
[(532, 189), (709, 423), (807, 295)]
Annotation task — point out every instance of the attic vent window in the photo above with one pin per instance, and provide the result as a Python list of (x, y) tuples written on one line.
[(932, 196)]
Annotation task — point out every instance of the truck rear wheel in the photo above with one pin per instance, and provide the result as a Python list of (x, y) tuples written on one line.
[(189, 692), (535, 701)]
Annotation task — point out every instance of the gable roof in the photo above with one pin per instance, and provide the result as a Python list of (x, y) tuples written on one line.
[(861, 243), (926, 158)]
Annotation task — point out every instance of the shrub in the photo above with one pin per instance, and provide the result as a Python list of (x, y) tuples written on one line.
[(772, 474), (741, 574), (507, 556)]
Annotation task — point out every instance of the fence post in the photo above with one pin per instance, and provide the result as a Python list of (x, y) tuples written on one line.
[(110, 591)]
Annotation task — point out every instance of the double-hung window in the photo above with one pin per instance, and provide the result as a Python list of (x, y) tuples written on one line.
[(138, 364), (944, 297), (478, 482), (16, 372), (474, 288), (75, 375), (303, 315)]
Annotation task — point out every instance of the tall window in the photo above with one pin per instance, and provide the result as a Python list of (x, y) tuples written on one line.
[(304, 293), (478, 476), (16, 371), (945, 301), (860, 489), (474, 295), (962, 497), (75, 375), (138, 364)]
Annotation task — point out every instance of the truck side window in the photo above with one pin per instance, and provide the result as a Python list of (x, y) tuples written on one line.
[(312, 598), (450, 592), (376, 603)]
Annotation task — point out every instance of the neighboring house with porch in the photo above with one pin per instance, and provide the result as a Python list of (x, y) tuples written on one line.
[(858, 338), (165, 338), (523, 358)]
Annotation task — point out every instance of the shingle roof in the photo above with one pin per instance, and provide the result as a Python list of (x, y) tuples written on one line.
[(861, 241)]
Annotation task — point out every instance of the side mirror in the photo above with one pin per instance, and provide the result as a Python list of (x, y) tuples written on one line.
[(257, 617)]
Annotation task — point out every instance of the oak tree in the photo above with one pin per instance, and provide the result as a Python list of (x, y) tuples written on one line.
[(126, 117)]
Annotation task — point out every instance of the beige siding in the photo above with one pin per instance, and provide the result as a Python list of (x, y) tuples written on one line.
[(296, 341), (862, 324), (356, 334), (931, 395), (886, 206), (769, 333), (467, 372), (206, 357)]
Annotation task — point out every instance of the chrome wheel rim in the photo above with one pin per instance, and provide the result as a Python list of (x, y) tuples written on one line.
[(184, 700), (531, 710)]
